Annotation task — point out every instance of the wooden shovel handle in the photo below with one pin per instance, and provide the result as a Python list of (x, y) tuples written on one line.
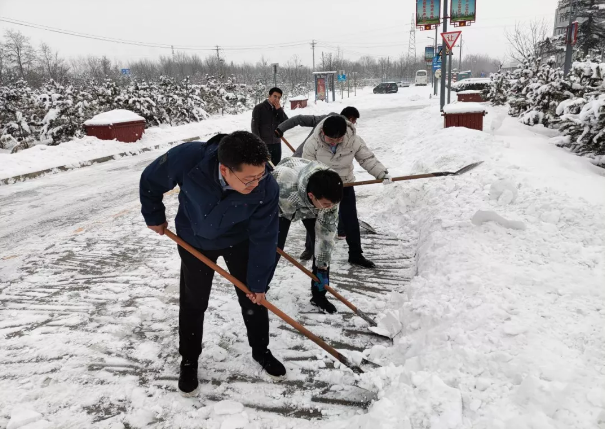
[(321, 343), (288, 144), (394, 179), (314, 277)]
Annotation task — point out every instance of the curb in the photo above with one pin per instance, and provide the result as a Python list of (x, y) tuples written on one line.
[(35, 174)]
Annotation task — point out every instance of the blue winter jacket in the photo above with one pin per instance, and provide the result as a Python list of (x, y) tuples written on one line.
[(210, 218)]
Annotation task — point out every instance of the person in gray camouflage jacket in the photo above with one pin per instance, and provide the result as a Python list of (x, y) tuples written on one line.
[(310, 192)]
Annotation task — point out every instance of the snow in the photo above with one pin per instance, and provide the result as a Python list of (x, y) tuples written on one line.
[(22, 417), (228, 407), (463, 108), (111, 117), (299, 98), (500, 326), (470, 91)]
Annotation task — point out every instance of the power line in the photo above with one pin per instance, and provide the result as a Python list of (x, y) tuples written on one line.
[(148, 44)]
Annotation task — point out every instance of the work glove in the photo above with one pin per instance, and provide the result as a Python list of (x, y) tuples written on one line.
[(324, 280), (279, 133), (386, 180)]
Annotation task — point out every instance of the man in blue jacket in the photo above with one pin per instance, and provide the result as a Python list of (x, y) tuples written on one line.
[(228, 206)]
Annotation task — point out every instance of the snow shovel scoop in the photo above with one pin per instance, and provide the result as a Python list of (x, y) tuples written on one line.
[(419, 176), (362, 224), (321, 343), (341, 298)]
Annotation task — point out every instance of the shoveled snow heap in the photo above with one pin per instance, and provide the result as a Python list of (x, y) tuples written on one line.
[(463, 108), (117, 116)]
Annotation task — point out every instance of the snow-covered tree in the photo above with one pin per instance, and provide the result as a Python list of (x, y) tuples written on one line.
[(497, 91), (522, 78), (583, 117), (544, 93)]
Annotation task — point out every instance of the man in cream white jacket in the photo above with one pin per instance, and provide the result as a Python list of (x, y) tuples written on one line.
[(336, 144)]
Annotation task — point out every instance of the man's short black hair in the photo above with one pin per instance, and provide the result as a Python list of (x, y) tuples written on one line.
[(350, 112), (326, 184), (242, 147), (335, 127), (275, 89)]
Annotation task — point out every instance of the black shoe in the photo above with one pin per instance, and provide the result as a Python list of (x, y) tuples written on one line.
[(361, 261), (188, 384), (306, 255), (320, 300), (272, 366)]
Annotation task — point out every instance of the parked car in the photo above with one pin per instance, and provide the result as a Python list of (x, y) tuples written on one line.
[(403, 84), (386, 88)]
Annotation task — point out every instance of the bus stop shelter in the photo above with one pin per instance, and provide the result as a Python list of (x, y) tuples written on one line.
[(324, 83)]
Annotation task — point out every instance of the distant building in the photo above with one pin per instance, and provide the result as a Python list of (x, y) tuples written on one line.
[(561, 23)]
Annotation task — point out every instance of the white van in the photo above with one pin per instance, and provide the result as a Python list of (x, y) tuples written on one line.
[(421, 79)]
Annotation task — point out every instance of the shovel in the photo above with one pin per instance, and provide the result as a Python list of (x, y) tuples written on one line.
[(338, 296), (321, 343), (419, 176)]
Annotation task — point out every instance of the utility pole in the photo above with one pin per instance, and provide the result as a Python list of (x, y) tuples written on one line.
[(460, 59), (172, 47), (412, 45), (444, 57), (449, 88), (435, 54), (313, 43), (569, 48)]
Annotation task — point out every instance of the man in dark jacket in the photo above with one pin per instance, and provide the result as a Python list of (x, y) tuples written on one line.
[(351, 113), (228, 206), (266, 116)]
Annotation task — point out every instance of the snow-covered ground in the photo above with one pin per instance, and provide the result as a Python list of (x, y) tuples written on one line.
[(502, 308)]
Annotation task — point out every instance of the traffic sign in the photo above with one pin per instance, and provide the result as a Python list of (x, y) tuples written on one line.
[(436, 63), (126, 71), (450, 38), (342, 78), (440, 51)]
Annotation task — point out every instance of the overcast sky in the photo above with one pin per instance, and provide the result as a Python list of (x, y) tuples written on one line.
[(247, 29)]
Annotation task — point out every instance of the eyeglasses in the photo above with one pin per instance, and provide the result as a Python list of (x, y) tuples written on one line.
[(246, 184), (328, 206)]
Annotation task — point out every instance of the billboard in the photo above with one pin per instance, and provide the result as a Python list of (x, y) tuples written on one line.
[(321, 89), (463, 12), (428, 13), (429, 53)]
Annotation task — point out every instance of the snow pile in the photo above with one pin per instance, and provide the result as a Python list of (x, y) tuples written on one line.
[(116, 116), (463, 108), (471, 84), (502, 326)]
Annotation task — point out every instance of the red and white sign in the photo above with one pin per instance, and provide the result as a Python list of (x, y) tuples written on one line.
[(450, 38)]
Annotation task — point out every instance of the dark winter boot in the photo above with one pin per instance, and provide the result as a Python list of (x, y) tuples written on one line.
[(188, 383), (306, 255), (319, 300), (361, 261), (272, 366)]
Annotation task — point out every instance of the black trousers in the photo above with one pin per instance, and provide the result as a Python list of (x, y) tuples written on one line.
[(196, 282), (275, 152), (284, 228), (347, 220)]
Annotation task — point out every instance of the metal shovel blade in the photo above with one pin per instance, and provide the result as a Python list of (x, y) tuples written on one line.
[(468, 168), (367, 227)]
